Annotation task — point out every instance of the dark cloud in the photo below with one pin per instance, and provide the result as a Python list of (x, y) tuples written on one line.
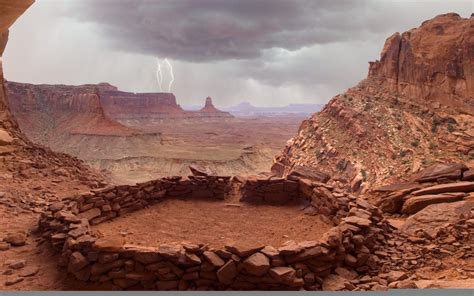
[(272, 52), (207, 30)]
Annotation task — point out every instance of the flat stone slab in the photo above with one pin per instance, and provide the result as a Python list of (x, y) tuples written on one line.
[(417, 203), (450, 187)]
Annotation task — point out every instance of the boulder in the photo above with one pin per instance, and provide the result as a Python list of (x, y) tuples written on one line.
[(257, 264), (450, 187), (417, 203), (451, 171), (435, 216)]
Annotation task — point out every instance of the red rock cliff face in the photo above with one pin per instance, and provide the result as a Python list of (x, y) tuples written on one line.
[(9, 12), (432, 62), (59, 109), (25, 97), (23, 160), (126, 105), (414, 109)]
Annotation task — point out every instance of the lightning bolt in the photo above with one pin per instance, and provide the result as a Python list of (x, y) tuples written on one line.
[(170, 68), (159, 75)]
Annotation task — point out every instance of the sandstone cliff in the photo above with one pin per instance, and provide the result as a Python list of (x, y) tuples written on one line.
[(59, 109), (9, 12), (125, 105), (24, 165), (414, 109), (433, 62), (131, 108)]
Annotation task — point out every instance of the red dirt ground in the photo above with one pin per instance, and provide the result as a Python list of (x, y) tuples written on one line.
[(215, 223)]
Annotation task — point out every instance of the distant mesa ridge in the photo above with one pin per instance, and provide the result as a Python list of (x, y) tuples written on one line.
[(103, 98)]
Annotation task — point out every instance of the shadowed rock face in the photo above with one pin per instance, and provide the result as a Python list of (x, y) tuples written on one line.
[(415, 108), (9, 12), (16, 150)]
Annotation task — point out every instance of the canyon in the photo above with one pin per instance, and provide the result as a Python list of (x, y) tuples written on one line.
[(141, 136), (375, 192)]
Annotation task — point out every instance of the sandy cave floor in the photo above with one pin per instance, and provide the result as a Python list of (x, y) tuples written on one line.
[(215, 223)]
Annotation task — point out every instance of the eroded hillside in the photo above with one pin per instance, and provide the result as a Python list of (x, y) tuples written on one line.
[(415, 108)]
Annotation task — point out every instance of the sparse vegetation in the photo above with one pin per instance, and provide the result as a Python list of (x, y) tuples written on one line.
[(415, 142), (403, 153), (451, 127)]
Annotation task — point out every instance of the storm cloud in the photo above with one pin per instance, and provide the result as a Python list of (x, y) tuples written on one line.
[(268, 52), (209, 30)]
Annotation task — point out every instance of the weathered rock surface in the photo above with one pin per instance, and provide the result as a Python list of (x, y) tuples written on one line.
[(439, 183), (435, 216), (451, 171), (451, 187), (414, 108), (415, 204)]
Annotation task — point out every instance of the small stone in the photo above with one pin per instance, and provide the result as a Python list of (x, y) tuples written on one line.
[(242, 251), (346, 273), (4, 246), (379, 287), (16, 264), (227, 272), (257, 264), (283, 274), (13, 280), (76, 262), (290, 248), (29, 271), (334, 283), (89, 214), (16, 239), (396, 275), (361, 222), (214, 259), (407, 284)]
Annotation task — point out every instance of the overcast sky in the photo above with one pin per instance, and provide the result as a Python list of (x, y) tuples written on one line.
[(267, 52)]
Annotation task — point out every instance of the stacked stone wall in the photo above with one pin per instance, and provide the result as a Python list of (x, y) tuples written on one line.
[(292, 266)]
